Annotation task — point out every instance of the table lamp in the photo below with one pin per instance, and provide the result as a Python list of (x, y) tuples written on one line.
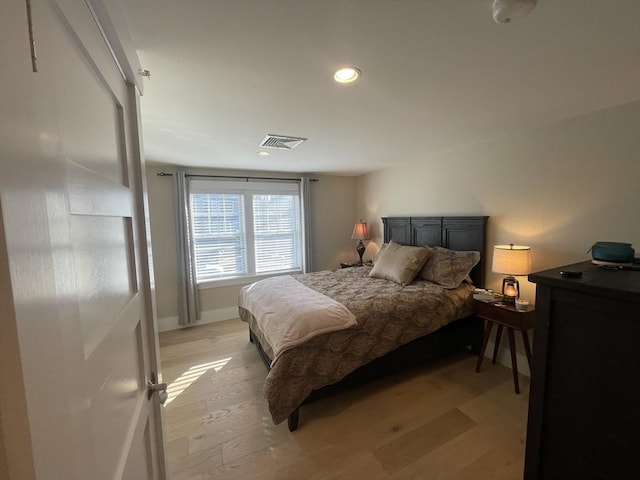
[(511, 260), (360, 232)]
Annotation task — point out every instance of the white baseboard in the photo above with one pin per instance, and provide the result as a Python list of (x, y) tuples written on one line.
[(210, 316), (504, 358)]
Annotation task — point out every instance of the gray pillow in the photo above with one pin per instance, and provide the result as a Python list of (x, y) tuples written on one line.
[(399, 263), (449, 268)]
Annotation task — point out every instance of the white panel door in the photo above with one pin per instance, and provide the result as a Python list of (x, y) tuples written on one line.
[(72, 200)]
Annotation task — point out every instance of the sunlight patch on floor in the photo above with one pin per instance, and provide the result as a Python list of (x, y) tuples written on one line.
[(191, 375)]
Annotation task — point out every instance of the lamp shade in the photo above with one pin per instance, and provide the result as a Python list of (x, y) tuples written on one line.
[(511, 259), (360, 231)]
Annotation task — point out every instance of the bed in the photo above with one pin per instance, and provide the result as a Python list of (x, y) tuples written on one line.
[(374, 325)]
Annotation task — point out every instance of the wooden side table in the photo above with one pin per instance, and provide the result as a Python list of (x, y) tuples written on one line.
[(505, 316), (356, 264), (349, 265)]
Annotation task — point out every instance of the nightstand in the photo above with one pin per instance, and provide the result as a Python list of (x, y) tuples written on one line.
[(503, 315), (356, 264)]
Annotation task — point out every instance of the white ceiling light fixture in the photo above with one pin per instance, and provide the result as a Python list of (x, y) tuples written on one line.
[(347, 74), (262, 153), (504, 11)]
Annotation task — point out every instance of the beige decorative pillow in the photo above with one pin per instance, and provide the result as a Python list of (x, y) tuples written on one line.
[(382, 248), (399, 263), (449, 268)]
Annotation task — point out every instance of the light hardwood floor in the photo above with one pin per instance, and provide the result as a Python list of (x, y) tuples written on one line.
[(439, 421)]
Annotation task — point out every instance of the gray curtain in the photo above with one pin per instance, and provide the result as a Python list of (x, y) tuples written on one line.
[(305, 199), (188, 301)]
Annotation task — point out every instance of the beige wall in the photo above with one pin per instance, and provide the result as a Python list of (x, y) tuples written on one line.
[(558, 189), (333, 213)]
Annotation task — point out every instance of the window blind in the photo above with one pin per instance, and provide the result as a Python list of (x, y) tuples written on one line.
[(276, 224), (219, 235)]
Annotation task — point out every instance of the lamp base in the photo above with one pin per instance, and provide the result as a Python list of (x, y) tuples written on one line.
[(360, 249), (510, 290)]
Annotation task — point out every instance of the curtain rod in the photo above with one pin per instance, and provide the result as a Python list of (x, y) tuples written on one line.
[(164, 174)]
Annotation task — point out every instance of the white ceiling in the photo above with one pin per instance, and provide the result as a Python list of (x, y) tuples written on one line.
[(437, 75)]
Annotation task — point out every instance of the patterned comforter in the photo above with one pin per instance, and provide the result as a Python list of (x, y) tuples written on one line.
[(388, 315)]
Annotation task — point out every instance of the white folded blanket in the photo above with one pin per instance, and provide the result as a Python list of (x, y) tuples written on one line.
[(289, 313)]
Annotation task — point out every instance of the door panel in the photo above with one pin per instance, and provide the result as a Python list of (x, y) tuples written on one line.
[(105, 280), (92, 130), (140, 461), (117, 377), (87, 190)]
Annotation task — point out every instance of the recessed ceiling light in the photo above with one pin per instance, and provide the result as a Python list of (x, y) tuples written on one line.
[(347, 74), (262, 153)]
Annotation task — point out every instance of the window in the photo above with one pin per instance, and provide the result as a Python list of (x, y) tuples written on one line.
[(277, 236), (219, 235), (244, 229)]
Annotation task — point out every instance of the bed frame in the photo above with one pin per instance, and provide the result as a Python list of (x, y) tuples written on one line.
[(455, 233)]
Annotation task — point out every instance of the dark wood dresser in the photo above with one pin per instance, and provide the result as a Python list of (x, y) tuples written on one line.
[(584, 403)]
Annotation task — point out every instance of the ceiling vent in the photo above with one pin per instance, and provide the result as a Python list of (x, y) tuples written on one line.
[(281, 142)]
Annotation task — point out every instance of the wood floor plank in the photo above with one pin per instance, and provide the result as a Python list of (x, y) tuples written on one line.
[(363, 466), (336, 461), (220, 421), (503, 462), (460, 451), (414, 444), (501, 398), (441, 420), (253, 441), (267, 464), (195, 464)]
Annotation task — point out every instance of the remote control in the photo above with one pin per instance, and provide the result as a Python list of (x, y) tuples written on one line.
[(570, 274)]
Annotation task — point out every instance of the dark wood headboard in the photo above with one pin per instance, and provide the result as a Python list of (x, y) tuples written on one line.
[(455, 233)]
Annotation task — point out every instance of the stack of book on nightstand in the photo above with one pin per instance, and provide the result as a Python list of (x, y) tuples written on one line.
[(486, 295)]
